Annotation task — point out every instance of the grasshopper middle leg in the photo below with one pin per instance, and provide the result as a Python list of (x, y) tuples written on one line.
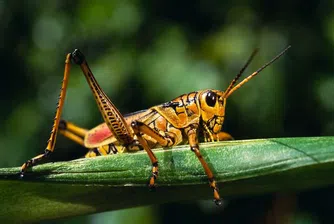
[(141, 128)]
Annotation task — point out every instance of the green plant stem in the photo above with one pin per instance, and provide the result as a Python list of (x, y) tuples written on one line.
[(84, 186)]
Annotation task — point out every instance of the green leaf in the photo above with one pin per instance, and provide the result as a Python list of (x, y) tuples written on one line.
[(84, 186)]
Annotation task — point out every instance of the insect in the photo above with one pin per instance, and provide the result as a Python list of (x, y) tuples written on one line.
[(178, 121)]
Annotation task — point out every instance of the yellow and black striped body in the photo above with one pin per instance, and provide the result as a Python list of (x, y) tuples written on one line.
[(178, 121), (170, 119)]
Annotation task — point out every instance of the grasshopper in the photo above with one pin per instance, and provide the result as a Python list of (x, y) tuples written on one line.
[(178, 121)]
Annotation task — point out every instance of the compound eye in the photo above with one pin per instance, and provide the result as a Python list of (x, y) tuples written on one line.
[(210, 99)]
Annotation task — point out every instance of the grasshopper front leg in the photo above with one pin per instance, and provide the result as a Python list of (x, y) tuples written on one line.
[(191, 132)]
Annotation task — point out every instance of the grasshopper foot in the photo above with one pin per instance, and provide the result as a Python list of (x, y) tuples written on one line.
[(32, 162), (152, 188), (218, 202), (154, 176)]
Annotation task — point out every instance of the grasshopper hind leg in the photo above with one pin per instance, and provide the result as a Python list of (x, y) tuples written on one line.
[(72, 132), (53, 135), (33, 161)]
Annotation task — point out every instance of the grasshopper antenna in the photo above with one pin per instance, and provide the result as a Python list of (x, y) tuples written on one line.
[(228, 93), (241, 71)]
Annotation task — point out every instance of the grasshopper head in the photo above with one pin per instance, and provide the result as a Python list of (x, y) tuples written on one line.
[(212, 104)]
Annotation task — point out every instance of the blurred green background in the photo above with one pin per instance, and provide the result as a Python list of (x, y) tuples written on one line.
[(145, 53)]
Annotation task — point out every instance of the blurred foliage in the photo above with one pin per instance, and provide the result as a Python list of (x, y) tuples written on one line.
[(148, 52)]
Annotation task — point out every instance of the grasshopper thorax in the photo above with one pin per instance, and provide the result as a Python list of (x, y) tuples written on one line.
[(212, 107)]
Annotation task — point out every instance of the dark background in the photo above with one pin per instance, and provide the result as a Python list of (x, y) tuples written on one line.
[(145, 53)]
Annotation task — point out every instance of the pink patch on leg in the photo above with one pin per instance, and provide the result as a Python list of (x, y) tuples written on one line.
[(98, 134)]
